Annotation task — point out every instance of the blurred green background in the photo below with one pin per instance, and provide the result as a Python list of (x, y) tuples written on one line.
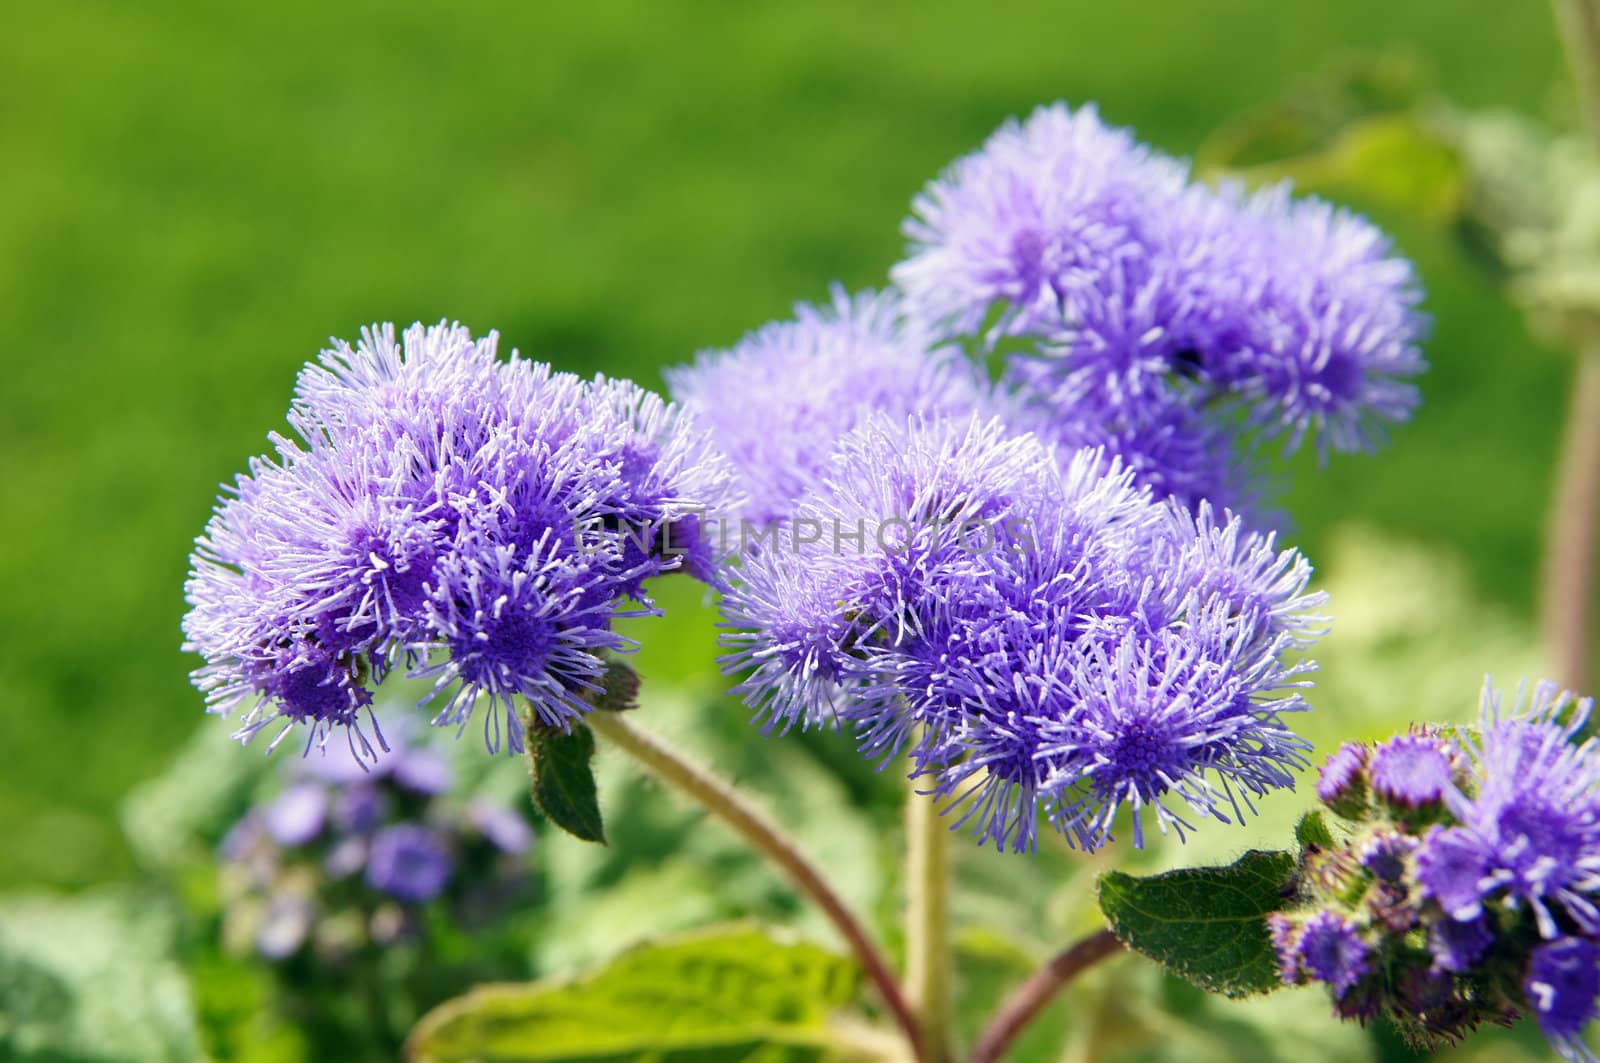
[(194, 197)]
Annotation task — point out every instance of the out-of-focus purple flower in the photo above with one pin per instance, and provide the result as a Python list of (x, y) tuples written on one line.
[(1412, 770), (285, 926), (409, 863), (348, 856), (1040, 633), (423, 771), (1387, 855), (360, 807), (297, 815), (1563, 985), (779, 401), (1459, 944), (508, 831)]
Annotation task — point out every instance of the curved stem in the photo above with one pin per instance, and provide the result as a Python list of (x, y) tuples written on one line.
[(928, 922), (1570, 537), (771, 841), (1030, 998)]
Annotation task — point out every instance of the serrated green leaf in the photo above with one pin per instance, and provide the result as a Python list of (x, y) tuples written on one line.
[(1206, 924), (734, 993), (563, 780), (1312, 831)]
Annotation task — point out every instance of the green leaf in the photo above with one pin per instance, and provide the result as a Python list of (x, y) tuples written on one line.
[(1312, 832), (563, 780), (734, 993), (93, 977), (1206, 924)]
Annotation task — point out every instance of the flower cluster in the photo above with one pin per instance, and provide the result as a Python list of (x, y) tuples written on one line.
[(1039, 634), (779, 402), (351, 852), (1157, 315), (1466, 885), (479, 522)]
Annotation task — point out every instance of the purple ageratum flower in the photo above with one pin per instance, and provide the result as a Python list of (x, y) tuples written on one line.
[(1332, 328), (1342, 773), (1177, 713), (1331, 950), (1563, 987), (778, 402), (1057, 659), (441, 509), (1531, 832), (1163, 312), (1412, 770), (1030, 221), (409, 863)]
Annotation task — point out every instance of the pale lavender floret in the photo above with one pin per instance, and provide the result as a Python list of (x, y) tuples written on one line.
[(785, 394), (286, 926), (347, 857), (1531, 832), (1071, 665), (1412, 769), (409, 862), (1331, 950), (505, 829), (297, 815), (1563, 987), (423, 771)]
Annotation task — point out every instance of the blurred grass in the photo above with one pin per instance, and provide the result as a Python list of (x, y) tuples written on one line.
[(194, 196)]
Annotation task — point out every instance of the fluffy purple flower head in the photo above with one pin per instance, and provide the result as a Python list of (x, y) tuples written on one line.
[(1412, 770), (1038, 632), (1563, 986), (1530, 833), (480, 521), (1329, 335), (1157, 316), (779, 401), (1331, 950), (1033, 219), (410, 863)]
